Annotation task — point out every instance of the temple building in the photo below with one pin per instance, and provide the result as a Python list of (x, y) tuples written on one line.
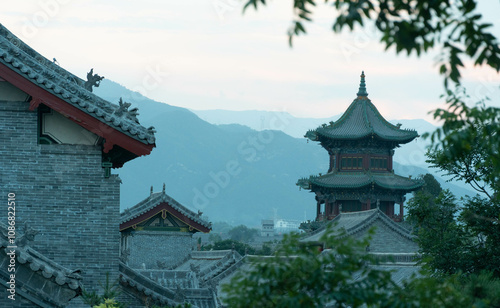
[(58, 143), (360, 176), (160, 262), (163, 227)]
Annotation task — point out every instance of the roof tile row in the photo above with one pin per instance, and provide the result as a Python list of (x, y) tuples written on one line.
[(28, 63)]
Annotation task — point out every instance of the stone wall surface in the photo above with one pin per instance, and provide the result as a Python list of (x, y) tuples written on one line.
[(62, 192), (148, 247)]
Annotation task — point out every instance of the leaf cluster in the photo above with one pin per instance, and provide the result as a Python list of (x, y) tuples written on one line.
[(467, 147), (242, 233), (110, 290), (456, 238), (240, 247), (444, 245), (301, 275), (343, 275)]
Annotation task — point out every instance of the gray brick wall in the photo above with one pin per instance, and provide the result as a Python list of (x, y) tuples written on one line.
[(147, 247), (60, 191)]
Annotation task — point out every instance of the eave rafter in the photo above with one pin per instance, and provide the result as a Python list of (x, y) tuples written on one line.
[(163, 208), (39, 96)]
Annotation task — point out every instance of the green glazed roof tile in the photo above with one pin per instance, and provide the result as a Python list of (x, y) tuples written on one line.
[(362, 119)]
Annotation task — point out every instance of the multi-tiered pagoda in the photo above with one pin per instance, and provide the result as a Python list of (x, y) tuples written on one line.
[(360, 177)]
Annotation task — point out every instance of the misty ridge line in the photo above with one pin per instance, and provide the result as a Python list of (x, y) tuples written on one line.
[(235, 172)]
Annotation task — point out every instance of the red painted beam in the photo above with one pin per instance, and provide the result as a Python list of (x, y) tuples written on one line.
[(157, 209), (81, 118)]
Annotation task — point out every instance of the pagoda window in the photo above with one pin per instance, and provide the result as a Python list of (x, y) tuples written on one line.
[(351, 163), (378, 163)]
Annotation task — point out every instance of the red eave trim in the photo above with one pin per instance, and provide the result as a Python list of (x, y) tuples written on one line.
[(157, 209), (40, 95)]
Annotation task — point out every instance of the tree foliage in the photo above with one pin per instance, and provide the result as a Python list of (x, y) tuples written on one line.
[(467, 147), (240, 247), (453, 237), (455, 27), (431, 185), (242, 233), (110, 290), (444, 245), (300, 275)]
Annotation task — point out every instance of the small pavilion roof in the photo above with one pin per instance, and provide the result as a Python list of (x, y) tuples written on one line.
[(156, 203), (360, 179), (354, 222), (361, 120)]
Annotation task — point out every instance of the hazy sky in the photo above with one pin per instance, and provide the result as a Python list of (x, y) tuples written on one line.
[(207, 55)]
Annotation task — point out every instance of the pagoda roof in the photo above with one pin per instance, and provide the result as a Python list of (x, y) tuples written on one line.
[(48, 83), (347, 180), (155, 204), (361, 120)]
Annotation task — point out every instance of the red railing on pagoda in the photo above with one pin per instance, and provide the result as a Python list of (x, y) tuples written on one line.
[(323, 217)]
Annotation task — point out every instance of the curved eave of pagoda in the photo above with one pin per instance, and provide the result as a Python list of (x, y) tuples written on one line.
[(324, 136), (318, 181), (321, 136)]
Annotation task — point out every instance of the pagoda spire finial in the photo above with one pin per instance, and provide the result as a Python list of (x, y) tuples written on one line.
[(362, 86)]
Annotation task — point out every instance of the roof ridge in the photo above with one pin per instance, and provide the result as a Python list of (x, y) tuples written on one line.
[(381, 118), (154, 200), (363, 223), (394, 226), (365, 115), (32, 66), (149, 287), (359, 124)]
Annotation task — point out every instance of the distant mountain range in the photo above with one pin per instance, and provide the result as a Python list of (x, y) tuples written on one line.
[(409, 154), (231, 172)]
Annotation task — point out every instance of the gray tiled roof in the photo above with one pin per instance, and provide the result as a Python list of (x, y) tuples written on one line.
[(361, 120), (37, 262), (353, 222), (400, 272), (149, 288), (49, 76), (360, 179), (154, 200)]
